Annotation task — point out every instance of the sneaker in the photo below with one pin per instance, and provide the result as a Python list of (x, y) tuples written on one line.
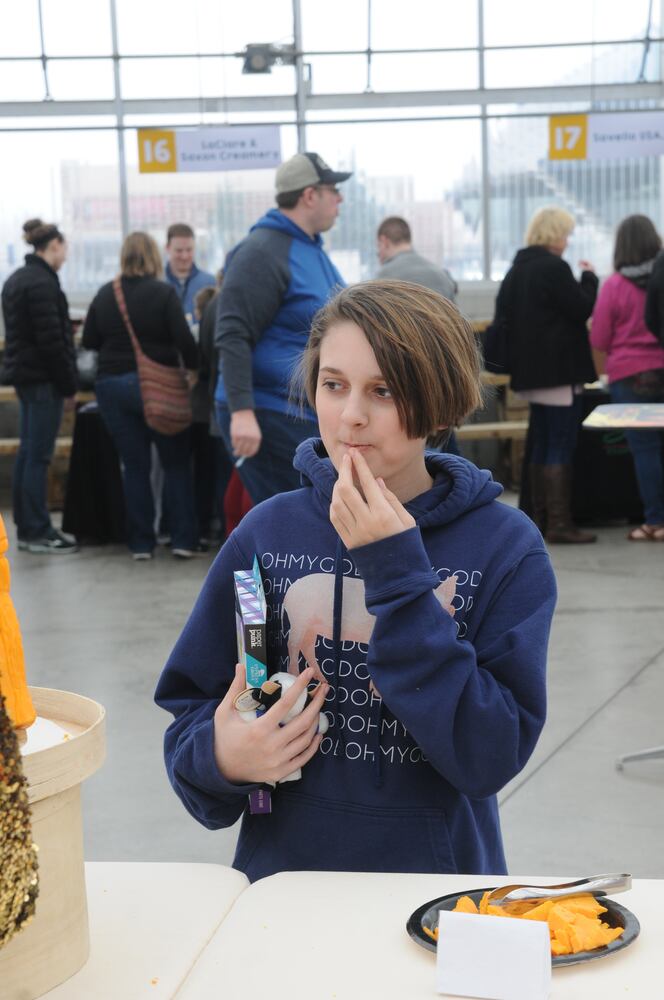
[(55, 542), (184, 553), (163, 538), (141, 556)]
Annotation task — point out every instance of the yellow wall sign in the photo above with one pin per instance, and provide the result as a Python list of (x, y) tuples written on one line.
[(568, 137), (156, 151)]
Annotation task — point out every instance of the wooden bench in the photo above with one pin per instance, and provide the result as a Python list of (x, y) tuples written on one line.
[(9, 446), (502, 430)]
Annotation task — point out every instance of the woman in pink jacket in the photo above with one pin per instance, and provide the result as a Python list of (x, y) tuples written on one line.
[(635, 359)]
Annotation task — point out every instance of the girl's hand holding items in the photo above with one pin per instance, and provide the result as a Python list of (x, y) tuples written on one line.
[(266, 751), (368, 514)]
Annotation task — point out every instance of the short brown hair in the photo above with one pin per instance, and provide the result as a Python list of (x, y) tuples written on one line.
[(395, 229), (427, 352), (140, 257), (179, 229), (637, 241)]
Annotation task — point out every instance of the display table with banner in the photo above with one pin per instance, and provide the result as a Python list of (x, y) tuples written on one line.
[(604, 489), (94, 507)]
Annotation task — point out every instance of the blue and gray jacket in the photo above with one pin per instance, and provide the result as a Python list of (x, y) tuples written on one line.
[(275, 280), (186, 290)]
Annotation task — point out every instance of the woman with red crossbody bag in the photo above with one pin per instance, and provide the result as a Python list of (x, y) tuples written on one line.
[(147, 361)]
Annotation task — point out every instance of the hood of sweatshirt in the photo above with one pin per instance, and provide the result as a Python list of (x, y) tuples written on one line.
[(274, 219), (638, 274), (458, 487)]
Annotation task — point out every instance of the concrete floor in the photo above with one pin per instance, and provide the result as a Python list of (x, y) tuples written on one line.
[(101, 625)]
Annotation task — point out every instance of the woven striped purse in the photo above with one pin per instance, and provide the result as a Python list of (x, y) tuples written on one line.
[(164, 389)]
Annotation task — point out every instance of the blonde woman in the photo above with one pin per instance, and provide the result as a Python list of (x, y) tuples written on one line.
[(544, 310), (164, 336)]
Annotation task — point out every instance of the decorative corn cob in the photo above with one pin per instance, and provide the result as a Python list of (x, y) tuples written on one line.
[(12, 667), (18, 855)]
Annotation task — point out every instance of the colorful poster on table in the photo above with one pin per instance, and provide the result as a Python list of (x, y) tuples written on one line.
[(606, 136), (167, 151), (638, 415)]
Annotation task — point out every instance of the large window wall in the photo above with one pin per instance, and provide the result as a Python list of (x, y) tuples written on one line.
[(441, 115)]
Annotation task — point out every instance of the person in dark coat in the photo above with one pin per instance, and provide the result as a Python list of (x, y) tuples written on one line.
[(41, 365), (164, 335), (654, 310), (543, 310), (205, 305)]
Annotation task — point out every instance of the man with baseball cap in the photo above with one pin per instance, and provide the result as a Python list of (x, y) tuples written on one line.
[(274, 282)]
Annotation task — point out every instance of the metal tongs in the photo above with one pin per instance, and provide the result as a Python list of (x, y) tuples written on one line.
[(598, 885)]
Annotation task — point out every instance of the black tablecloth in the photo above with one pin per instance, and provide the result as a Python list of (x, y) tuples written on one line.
[(94, 509), (604, 483)]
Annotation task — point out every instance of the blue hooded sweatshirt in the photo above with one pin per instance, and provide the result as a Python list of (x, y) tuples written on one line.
[(275, 281), (434, 643), (187, 289)]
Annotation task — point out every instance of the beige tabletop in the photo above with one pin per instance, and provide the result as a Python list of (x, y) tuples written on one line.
[(148, 925), (338, 936)]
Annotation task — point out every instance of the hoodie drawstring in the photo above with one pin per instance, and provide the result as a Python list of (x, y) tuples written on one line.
[(336, 625)]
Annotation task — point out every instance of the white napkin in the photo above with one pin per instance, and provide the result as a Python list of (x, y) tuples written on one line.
[(493, 958)]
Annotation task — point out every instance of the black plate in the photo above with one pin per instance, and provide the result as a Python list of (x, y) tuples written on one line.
[(616, 916)]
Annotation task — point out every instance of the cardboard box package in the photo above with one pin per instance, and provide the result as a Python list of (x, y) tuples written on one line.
[(251, 623)]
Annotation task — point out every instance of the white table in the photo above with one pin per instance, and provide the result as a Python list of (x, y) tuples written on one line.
[(200, 932), (327, 936), (148, 925)]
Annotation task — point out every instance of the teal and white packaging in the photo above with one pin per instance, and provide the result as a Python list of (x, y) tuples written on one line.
[(251, 623)]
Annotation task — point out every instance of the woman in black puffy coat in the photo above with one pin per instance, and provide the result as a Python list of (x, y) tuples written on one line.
[(543, 310), (40, 363)]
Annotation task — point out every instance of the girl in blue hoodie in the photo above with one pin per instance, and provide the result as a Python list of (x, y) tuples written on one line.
[(396, 579)]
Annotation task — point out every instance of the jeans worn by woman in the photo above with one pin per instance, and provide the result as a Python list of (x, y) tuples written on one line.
[(555, 430), (647, 446), (40, 407), (121, 407)]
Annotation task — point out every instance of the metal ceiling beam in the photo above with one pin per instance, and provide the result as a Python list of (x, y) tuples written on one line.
[(486, 96), (581, 94)]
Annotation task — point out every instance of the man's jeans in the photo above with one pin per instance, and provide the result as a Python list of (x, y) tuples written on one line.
[(646, 446), (270, 470), (121, 407), (40, 415)]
